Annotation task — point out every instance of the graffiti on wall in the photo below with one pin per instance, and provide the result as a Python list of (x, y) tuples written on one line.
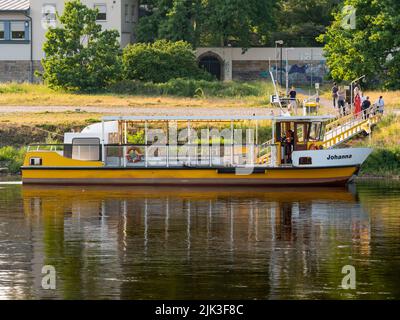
[(300, 73)]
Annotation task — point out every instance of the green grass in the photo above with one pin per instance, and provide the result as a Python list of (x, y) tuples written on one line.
[(192, 88), (12, 158), (174, 93), (385, 140)]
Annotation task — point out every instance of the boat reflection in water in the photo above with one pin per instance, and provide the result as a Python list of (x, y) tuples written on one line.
[(176, 243)]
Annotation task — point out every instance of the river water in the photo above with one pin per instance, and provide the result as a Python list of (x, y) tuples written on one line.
[(200, 243)]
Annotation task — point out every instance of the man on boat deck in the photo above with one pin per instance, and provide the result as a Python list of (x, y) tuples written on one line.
[(288, 143)]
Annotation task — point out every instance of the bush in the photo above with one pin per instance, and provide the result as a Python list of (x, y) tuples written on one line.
[(190, 88), (383, 162), (12, 158), (161, 61)]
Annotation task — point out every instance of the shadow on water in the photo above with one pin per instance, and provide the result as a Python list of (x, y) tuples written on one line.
[(199, 243)]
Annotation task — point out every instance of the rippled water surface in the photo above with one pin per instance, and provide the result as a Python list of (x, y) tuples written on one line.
[(176, 243)]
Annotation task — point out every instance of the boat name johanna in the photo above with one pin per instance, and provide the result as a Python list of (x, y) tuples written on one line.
[(336, 157)]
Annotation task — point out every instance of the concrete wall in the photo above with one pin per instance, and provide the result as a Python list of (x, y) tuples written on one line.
[(304, 64), (18, 70)]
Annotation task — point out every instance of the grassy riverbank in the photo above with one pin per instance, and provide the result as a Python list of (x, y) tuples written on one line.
[(385, 140), (175, 93)]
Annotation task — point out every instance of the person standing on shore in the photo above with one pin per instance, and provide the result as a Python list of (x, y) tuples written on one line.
[(357, 104), (380, 103), (335, 90), (365, 105), (341, 101), (292, 97)]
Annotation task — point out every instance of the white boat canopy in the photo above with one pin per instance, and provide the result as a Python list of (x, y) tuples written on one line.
[(216, 118)]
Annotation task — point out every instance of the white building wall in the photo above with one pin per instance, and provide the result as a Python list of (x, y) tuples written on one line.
[(113, 19), (14, 52)]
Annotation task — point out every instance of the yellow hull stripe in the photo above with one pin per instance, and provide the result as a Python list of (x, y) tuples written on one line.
[(318, 173)]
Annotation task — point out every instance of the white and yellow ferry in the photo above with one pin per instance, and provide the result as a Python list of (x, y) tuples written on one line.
[(135, 150)]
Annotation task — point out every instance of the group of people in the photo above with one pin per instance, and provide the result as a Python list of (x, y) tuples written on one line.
[(361, 103)]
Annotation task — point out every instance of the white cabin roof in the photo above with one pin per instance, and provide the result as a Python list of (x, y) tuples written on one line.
[(216, 118)]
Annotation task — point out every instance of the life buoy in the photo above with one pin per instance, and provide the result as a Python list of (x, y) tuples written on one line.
[(313, 147), (137, 152)]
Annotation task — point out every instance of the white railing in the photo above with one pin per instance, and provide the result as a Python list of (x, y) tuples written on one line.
[(353, 125)]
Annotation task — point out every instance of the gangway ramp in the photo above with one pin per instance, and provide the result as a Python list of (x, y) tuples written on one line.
[(337, 132), (346, 127)]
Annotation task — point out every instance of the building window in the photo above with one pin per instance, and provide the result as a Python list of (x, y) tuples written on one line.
[(2, 31), (102, 14), (133, 14), (49, 15), (18, 30), (126, 13)]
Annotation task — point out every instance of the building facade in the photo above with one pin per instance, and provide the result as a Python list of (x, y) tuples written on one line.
[(23, 25)]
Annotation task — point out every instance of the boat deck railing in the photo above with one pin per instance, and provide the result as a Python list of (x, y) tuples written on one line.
[(139, 155), (350, 125)]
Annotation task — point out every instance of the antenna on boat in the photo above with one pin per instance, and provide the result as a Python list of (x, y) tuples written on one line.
[(278, 99)]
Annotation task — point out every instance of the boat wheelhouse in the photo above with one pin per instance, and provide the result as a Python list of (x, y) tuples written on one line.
[(249, 150)]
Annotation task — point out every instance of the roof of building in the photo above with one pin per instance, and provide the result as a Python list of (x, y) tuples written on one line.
[(14, 5)]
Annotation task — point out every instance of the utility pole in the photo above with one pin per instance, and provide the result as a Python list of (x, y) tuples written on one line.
[(280, 44)]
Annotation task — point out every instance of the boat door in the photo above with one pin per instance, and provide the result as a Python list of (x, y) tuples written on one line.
[(300, 136)]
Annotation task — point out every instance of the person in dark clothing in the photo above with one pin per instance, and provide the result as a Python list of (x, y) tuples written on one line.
[(292, 94), (365, 105), (292, 99), (288, 143), (335, 90)]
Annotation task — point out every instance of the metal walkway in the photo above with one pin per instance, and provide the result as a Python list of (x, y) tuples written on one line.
[(346, 127)]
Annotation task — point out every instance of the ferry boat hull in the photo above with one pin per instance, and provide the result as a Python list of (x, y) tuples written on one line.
[(187, 176), (101, 154)]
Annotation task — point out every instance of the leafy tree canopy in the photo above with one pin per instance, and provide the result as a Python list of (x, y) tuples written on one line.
[(299, 22), (78, 54), (208, 22), (371, 47)]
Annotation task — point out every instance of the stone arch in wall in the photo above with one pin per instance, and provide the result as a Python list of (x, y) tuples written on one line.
[(213, 63)]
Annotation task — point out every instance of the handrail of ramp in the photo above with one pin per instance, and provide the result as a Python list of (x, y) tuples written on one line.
[(348, 126)]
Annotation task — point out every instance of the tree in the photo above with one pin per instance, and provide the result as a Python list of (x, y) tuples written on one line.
[(208, 22), (78, 55), (161, 61), (370, 48), (301, 21)]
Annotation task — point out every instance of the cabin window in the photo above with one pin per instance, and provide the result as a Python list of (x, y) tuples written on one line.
[(315, 131), (86, 149), (35, 161), (300, 133), (305, 160)]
